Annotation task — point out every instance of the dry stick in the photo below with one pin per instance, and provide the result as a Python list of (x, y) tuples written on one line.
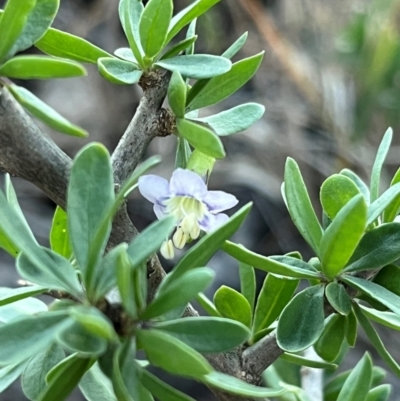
[(27, 152)]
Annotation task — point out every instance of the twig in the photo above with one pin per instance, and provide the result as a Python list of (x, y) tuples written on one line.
[(143, 128)]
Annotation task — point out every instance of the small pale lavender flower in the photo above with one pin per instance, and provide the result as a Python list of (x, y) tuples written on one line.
[(187, 198)]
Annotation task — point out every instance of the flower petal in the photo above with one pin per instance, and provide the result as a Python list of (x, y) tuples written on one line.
[(217, 201), (160, 211), (211, 222), (154, 188), (186, 183)]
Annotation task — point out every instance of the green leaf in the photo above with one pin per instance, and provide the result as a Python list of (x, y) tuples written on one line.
[(130, 12), (201, 138), (21, 308), (12, 23), (187, 15), (10, 295), (233, 305), (330, 342), (26, 336), (63, 44), (375, 340), (150, 240), (377, 248), (186, 361), (202, 252), (41, 67), (222, 86), (207, 305), (358, 383), (238, 387), (153, 26), (275, 294), (9, 374), (179, 291), (388, 319), (49, 269), (189, 33), (234, 120), (126, 375), (362, 187), (118, 71), (351, 329), (311, 363), (160, 389), (93, 321), (342, 236), (105, 278), (59, 236), (23, 229), (333, 387), (129, 288), (268, 264), (248, 283), (14, 228), (196, 66), (44, 112), (300, 207), (76, 338), (302, 320), (336, 191), (337, 296), (379, 205), (65, 378), (235, 47), (379, 160), (33, 379), (183, 153), (392, 210), (380, 393), (179, 47), (90, 196), (96, 386), (389, 278), (177, 94), (375, 291), (39, 21), (126, 54), (206, 334)]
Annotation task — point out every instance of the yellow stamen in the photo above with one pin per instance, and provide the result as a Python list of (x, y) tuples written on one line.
[(167, 249), (179, 239), (190, 226)]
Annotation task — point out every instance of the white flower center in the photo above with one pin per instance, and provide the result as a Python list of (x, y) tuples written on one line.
[(182, 206), (189, 212)]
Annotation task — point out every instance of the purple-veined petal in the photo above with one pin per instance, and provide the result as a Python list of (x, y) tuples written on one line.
[(217, 201), (154, 188), (211, 222), (160, 211), (187, 183)]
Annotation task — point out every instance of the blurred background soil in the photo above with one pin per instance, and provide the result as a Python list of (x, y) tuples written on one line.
[(330, 83)]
